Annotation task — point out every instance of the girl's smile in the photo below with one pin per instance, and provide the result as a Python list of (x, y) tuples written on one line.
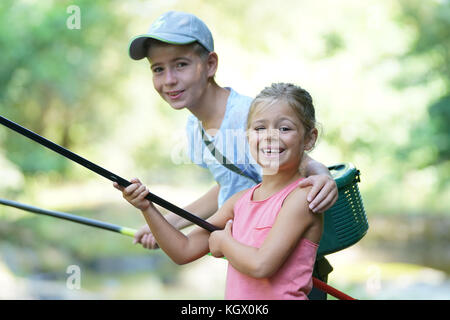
[(272, 151)]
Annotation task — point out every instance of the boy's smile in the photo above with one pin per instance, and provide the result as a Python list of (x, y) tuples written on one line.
[(174, 94)]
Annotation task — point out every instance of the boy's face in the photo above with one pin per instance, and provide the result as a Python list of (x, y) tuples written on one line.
[(180, 76)]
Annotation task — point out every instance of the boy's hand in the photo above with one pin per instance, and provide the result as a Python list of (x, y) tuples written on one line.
[(217, 237), (145, 237), (323, 194), (135, 194)]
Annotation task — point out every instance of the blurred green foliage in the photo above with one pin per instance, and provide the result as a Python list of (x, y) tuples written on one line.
[(430, 22), (52, 77), (78, 88)]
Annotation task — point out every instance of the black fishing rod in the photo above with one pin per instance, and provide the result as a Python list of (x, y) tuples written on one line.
[(105, 173)]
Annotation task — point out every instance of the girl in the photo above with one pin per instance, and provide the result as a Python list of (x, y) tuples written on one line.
[(270, 235)]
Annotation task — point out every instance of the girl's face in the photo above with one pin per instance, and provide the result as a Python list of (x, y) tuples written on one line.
[(180, 76), (277, 137)]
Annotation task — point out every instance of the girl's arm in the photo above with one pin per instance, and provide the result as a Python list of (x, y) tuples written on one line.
[(182, 248), (179, 247), (204, 207), (293, 223)]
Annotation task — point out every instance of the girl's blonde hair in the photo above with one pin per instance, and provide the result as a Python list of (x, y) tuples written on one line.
[(297, 98)]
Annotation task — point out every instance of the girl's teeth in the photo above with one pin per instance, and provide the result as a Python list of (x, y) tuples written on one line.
[(271, 151)]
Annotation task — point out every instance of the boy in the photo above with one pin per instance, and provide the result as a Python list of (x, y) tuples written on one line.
[(180, 50)]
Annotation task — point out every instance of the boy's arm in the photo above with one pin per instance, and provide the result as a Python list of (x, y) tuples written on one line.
[(309, 167), (204, 207), (324, 192), (292, 224)]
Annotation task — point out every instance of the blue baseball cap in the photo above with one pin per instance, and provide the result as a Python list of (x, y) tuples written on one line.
[(173, 27)]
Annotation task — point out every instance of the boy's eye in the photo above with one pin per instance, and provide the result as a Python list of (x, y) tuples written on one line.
[(284, 129), (181, 64), (157, 70), (259, 128)]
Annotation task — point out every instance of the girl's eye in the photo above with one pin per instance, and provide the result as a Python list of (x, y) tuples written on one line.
[(259, 128), (284, 129)]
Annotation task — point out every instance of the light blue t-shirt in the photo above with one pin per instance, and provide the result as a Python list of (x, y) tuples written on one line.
[(231, 141)]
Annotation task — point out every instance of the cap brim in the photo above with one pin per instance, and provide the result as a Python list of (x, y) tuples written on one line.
[(136, 48)]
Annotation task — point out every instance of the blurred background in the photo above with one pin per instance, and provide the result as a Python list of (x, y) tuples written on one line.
[(377, 70)]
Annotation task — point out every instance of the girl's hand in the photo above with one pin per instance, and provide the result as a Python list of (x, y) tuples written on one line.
[(323, 194), (135, 194), (217, 237)]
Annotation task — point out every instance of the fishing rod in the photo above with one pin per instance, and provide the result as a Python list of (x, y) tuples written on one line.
[(103, 172), (70, 217), (131, 232)]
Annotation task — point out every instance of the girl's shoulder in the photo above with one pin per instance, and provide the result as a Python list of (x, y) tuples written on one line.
[(231, 201), (238, 195), (298, 196), (296, 209), (297, 202)]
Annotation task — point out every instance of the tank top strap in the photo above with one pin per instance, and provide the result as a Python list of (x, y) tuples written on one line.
[(283, 193)]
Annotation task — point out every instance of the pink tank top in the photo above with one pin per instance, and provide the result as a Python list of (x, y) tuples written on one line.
[(251, 224)]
